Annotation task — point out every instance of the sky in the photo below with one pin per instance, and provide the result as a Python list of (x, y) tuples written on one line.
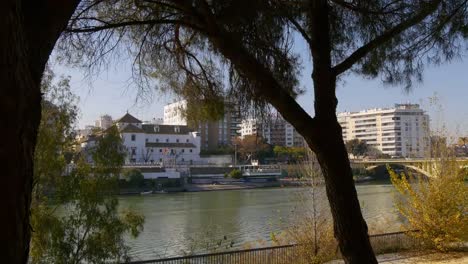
[(112, 92)]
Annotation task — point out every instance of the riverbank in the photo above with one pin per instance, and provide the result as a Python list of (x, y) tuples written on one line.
[(234, 185)]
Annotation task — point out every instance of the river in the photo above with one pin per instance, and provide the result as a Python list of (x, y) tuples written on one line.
[(179, 223)]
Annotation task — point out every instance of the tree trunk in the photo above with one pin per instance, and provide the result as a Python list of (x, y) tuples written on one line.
[(20, 110), (349, 225), (28, 32), (323, 135), (327, 143)]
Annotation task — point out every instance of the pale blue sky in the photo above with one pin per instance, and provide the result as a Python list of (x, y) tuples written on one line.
[(112, 93)]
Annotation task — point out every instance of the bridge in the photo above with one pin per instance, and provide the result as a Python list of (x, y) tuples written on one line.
[(427, 167)]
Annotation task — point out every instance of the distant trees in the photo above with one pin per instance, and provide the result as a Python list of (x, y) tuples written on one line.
[(235, 174), (357, 147), (133, 177), (251, 147), (292, 154)]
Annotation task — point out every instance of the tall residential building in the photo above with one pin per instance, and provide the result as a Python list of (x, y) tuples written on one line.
[(104, 122), (400, 131), (275, 131), (213, 134)]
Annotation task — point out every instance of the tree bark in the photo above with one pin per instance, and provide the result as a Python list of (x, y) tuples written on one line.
[(28, 32), (322, 133), (349, 225)]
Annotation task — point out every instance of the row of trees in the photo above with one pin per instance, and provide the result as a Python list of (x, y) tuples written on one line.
[(255, 147), (194, 48)]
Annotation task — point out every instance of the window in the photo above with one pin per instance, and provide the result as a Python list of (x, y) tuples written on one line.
[(160, 160), (183, 159), (133, 137), (151, 150), (177, 140), (146, 140), (187, 141), (190, 150), (160, 150), (183, 150), (157, 140), (167, 140), (133, 151)]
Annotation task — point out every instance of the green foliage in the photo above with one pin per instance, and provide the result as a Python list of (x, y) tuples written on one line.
[(357, 147), (109, 153), (199, 111), (235, 174), (133, 177), (80, 222), (55, 136), (293, 154)]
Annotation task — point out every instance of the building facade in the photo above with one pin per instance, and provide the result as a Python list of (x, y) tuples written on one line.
[(402, 131), (155, 143), (104, 122), (213, 134), (276, 131)]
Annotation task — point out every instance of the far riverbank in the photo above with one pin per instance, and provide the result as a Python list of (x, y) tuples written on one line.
[(234, 185)]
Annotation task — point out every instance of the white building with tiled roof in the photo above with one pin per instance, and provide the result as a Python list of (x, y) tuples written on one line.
[(155, 143)]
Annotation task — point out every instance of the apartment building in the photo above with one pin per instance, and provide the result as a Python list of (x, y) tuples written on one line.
[(276, 131), (401, 131), (213, 134), (104, 122)]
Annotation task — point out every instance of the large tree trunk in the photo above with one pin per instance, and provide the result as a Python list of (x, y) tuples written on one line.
[(20, 111), (323, 133), (28, 32), (327, 143)]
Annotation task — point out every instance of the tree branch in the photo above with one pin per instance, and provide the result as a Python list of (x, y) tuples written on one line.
[(131, 23), (386, 36), (301, 30), (363, 10)]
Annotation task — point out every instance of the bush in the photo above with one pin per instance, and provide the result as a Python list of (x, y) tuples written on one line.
[(436, 206), (134, 178), (235, 174)]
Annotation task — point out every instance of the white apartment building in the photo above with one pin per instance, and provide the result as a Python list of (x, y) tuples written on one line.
[(248, 127), (104, 122), (401, 131), (173, 113), (213, 134)]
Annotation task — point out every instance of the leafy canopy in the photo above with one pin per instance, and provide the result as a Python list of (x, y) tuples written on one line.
[(74, 211)]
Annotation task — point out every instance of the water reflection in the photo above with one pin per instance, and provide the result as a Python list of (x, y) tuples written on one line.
[(183, 222)]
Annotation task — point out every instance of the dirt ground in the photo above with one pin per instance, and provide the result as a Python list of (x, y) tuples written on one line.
[(422, 257)]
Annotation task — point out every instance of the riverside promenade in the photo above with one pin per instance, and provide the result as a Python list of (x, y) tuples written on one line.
[(420, 258)]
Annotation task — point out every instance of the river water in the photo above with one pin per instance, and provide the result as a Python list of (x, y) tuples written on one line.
[(182, 223)]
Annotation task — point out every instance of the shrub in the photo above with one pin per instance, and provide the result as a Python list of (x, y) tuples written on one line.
[(235, 174), (436, 206)]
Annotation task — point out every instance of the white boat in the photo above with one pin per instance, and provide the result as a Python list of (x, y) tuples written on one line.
[(146, 193), (161, 191)]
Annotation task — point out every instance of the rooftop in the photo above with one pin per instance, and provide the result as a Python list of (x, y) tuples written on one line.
[(128, 118)]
